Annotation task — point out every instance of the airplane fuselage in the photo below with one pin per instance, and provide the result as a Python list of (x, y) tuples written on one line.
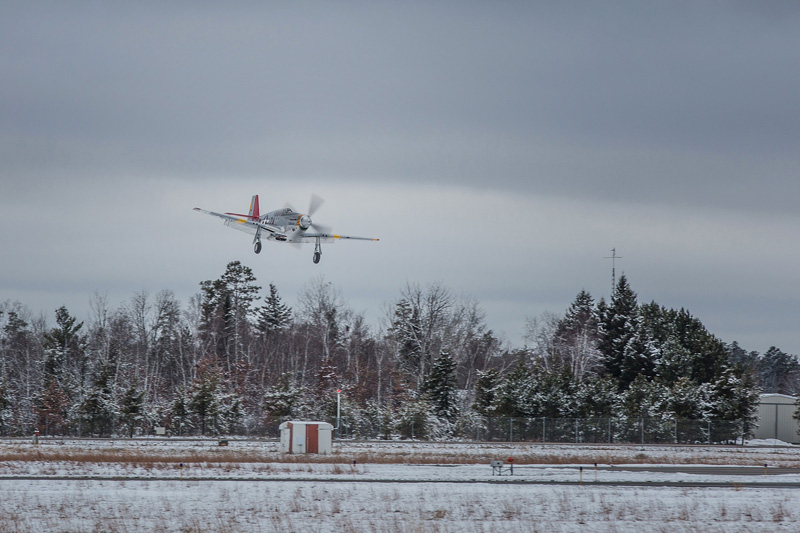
[(282, 225)]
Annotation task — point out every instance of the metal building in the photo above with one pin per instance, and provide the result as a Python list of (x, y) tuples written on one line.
[(306, 437), (775, 420)]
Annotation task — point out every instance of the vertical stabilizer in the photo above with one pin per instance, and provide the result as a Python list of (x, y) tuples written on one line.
[(254, 207)]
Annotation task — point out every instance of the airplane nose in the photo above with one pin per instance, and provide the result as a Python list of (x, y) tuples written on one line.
[(305, 221)]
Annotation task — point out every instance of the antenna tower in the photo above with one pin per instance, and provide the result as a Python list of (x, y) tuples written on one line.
[(613, 258)]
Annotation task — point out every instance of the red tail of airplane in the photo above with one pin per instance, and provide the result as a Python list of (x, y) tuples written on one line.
[(254, 213), (254, 207)]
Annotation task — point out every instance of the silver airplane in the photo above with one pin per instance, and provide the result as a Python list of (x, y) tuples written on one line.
[(283, 225)]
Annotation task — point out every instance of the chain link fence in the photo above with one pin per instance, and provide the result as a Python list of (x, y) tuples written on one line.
[(561, 430)]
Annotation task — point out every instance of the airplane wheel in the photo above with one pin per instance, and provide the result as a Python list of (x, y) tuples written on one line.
[(257, 247), (317, 257)]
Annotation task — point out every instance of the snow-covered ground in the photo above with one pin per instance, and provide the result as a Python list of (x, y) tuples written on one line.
[(79, 485)]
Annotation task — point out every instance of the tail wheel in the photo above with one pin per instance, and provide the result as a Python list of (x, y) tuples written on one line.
[(257, 247)]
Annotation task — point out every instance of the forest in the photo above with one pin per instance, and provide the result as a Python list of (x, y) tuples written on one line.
[(236, 360)]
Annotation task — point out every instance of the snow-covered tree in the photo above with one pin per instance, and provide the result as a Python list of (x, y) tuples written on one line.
[(513, 395), (64, 349), (618, 324), (578, 337), (274, 316), (645, 398), (52, 410), (131, 408), (414, 419), (323, 312), (283, 401), (179, 414), (778, 372), (21, 367), (228, 314), (735, 396), (740, 356), (639, 356), (98, 410), (419, 327), (486, 391), (689, 400), (541, 336), (597, 397), (204, 399), (439, 387), (5, 408)]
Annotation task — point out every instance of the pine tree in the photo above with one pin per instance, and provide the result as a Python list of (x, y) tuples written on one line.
[(98, 410), (132, 408), (413, 419), (421, 326), (407, 333), (64, 348), (274, 315), (513, 396), (707, 354), (282, 401), (179, 413), (689, 400), (170, 341), (779, 372), (639, 355), (671, 360), (619, 327), (439, 387), (597, 397), (204, 398), (52, 410), (227, 311), (486, 391), (735, 396), (645, 398), (5, 407)]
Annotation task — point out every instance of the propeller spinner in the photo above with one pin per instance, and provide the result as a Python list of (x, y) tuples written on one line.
[(305, 221)]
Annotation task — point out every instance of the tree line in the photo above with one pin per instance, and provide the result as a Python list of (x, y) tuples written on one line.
[(232, 361)]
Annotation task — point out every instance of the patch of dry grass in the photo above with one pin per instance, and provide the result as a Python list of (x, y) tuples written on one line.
[(347, 454)]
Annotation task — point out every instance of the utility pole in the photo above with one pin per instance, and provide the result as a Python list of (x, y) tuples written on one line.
[(613, 258)]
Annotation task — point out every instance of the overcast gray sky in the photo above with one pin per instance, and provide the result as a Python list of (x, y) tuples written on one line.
[(502, 148)]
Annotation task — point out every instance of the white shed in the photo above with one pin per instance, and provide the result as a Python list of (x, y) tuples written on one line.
[(306, 437), (775, 418)]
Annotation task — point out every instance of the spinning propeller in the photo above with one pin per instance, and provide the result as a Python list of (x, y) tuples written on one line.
[(305, 221)]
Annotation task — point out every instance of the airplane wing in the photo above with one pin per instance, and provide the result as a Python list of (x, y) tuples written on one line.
[(242, 223), (328, 237)]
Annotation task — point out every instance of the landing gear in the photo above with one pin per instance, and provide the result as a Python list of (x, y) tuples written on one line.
[(257, 241), (317, 252)]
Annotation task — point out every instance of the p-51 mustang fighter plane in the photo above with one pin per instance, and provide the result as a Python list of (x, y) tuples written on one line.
[(282, 225)]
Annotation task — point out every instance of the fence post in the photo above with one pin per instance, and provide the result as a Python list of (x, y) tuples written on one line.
[(510, 429), (576, 431), (610, 438), (544, 428), (676, 431)]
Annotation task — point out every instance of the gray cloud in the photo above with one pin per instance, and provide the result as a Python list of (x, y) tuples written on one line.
[(681, 120)]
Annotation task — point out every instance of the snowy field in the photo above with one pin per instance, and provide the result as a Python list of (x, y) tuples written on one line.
[(102, 485)]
